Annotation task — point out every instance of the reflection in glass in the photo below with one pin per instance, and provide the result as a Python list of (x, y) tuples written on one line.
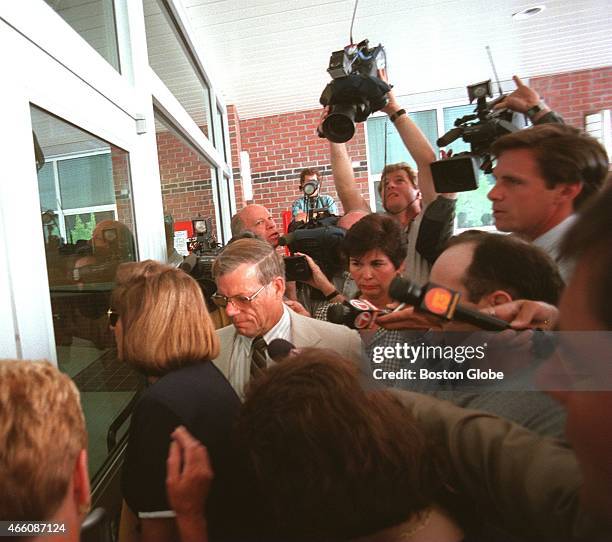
[(186, 180), (88, 225), (94, 20), (169, 61)]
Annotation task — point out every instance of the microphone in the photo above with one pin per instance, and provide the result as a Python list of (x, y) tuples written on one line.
[(279, 349), (442, 302), (356, 313), (449, 137), (287, 239)]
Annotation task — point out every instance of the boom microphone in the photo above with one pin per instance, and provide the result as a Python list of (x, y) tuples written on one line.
[(449, 137)]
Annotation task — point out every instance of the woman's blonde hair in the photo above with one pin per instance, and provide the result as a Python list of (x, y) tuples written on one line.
[(164, 320)]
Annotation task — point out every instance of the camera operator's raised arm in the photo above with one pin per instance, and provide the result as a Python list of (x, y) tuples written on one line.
[(344, 179), (415, 142), (525, 100)]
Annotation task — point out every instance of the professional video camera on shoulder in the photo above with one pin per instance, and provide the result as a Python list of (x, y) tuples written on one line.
[(355, 91), (459, 173), (320, 238)]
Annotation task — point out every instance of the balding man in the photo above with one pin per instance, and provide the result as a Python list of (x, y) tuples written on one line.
[(257, 219)]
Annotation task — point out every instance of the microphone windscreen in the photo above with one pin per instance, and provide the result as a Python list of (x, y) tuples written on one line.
[(279, 349), (336, 313), (404, 291)]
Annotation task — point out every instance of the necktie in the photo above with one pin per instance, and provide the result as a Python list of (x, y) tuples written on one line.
[(258, 356)]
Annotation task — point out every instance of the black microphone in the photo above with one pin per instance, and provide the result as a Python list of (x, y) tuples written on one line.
[(356, 313), (442, 302), (279, 349), (286, 239), (449, 137)]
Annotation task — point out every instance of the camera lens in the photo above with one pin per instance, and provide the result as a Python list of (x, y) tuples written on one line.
[(339, 126)]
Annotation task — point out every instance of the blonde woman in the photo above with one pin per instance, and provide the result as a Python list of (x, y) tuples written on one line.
[(163, 329)]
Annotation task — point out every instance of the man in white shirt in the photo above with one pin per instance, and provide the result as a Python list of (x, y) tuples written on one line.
[(250, 285)]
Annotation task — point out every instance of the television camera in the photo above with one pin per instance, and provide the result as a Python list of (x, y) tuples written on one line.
[(355, 90), (459, 172), (203, 250)]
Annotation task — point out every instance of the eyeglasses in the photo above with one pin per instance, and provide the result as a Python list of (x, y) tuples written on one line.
[(239, 301), (113, 317)]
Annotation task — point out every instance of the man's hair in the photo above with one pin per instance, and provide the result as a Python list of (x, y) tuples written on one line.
[(506, 262), (592, 235), (375, 231), (331, 461), (309, 171), (565, 155), (400, 166), (164, 320), (250, 251), (42, 431), (237, 225)]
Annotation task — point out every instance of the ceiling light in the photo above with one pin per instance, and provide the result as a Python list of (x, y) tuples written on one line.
[(528, 12)]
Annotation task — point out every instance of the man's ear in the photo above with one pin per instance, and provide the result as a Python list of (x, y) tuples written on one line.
[(278, 283), (569, 192), (80, 484), (498, 297)]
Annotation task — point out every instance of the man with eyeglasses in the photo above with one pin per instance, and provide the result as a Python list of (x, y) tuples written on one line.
[(250, 286)]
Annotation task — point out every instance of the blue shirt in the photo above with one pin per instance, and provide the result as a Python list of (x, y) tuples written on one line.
[(319, 202)]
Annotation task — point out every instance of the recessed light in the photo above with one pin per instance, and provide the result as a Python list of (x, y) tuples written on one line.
[(528, 12)]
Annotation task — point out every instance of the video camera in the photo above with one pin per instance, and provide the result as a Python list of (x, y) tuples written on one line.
[(355, 91), (203, 250), (459, 173), (320, 238)]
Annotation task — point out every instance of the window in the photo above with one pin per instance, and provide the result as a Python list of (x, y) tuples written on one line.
[(87, 219), (386, 146), (94, 20), (187, 185), (79, 191), (168, 59)]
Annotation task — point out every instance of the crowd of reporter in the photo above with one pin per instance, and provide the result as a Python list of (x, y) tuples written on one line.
[(230, 442)]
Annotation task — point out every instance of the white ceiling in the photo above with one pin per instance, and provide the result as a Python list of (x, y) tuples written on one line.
[(270, 56)]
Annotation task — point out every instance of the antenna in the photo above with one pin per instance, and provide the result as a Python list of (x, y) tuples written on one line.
[(352, 21), (494, 70)]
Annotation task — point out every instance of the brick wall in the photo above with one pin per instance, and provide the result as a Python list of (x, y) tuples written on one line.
[(576, 94), (279, 147), (185, 180)]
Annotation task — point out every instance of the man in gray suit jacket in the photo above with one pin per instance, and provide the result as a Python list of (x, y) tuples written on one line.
[(250, 286)]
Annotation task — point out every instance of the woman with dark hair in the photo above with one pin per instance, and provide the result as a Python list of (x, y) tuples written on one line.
[(163, 329), (375, 257)]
